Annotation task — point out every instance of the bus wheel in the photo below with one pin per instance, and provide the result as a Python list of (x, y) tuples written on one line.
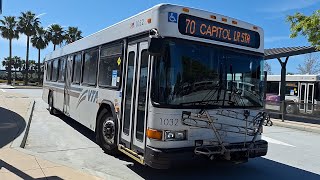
[(107, 132), (50, 102), (291, 109)]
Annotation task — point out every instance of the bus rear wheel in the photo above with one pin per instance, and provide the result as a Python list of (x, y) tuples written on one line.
[(107, 131)]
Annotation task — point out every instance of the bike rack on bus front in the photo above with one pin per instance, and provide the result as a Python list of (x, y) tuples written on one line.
[(204, 120)]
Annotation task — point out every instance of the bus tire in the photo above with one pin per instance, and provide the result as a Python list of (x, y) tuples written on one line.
[(291, 108), (107, 131), (50, 102)]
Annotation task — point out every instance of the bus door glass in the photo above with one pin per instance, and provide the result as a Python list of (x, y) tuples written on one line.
[(135, 93), (68, 79), (310, 97)]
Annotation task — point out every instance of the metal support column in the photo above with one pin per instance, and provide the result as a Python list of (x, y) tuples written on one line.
[(283, 84)]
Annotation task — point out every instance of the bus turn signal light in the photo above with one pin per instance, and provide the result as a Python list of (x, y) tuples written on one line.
[(185, 10), (154, 134)]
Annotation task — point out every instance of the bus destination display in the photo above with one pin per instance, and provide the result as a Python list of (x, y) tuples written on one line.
[(203, 28)]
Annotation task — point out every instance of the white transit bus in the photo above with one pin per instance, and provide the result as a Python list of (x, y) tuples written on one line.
[(168, 85), (301, 89)]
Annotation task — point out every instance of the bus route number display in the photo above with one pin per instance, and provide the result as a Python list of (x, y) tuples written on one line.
[(203, 28)]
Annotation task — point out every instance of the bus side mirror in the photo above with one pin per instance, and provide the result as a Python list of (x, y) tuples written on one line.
[(156, 46)]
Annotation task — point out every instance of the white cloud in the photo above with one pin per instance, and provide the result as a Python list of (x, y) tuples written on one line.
[(287, 5), (39, 15), (275, 38)]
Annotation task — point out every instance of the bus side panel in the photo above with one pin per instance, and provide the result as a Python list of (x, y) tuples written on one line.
[(88, 107), (45, 94), (74, 100), (59, 97)]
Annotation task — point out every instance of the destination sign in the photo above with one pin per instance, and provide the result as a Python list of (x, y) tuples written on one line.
[(203, 28)]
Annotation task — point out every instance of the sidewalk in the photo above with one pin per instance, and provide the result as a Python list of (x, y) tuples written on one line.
[(315, 128), (17, 163), (5, 86)]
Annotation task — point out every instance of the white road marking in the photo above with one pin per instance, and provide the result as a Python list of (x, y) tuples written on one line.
[(274, 141), (3, 90)]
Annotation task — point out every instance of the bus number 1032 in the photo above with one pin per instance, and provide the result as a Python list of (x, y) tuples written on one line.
[(168, 122), (190, 26)]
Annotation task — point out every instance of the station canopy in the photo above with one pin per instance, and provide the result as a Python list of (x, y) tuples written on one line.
[(287, 51)]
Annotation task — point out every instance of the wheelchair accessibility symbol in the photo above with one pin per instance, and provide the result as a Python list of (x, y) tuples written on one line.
[(172, 17)]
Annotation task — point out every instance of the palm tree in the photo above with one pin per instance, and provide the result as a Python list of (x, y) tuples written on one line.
[(28, 22), (73, 34), (9, 31), (16, 62), (6, 63), (40, 41), (56, 34)]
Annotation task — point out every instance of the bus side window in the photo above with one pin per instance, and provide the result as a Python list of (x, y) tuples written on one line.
[(110, 65), (55, 64), (89, 76), (76, 68), (49, 68), (61, 69), (317, 91)]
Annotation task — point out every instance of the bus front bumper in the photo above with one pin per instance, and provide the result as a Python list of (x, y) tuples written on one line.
[(167, 158)]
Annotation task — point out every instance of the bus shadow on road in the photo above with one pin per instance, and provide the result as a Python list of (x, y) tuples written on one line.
[(259, 168), (11, 126), (88, 133)]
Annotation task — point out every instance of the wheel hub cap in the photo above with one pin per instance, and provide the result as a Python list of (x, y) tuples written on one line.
[(108, 131)]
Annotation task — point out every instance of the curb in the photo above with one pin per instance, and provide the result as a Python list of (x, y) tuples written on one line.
[(26, 132), (287, 124), (21, 140), (27, 87)]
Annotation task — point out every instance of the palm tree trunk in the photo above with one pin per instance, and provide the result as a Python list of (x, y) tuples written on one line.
[(9, 66), (39, 70), (27, 63)]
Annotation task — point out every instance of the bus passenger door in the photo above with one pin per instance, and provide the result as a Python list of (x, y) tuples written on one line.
[(302, 97), (135, 93), (68, 79), (310, 97), (306, 96)]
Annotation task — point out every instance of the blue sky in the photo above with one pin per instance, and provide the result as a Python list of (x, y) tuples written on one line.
[(92, 16)]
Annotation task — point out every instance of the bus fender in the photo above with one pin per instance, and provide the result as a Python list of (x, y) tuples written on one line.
[(111, 106)]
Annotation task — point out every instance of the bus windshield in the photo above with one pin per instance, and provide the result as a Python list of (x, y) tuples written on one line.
[(191, 74)]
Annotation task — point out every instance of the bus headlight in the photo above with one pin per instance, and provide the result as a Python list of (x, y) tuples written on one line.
[(175, 135)]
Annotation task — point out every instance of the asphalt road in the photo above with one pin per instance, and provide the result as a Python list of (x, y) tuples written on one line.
[(292, 154)]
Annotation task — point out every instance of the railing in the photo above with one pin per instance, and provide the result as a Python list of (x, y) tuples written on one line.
[(289, 110)]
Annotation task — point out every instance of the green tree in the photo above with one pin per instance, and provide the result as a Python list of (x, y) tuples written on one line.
[(311, 65), (28, 22), (73, 34), (7, 64), (16, 62), (267, 68), (9, 31), (308, 26), (56, 35), (40, 41)]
